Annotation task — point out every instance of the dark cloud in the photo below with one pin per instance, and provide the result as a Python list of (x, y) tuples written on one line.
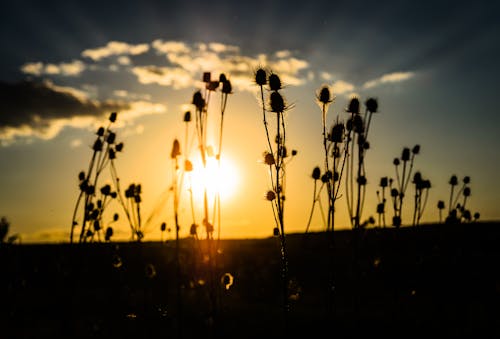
[(35, 104)]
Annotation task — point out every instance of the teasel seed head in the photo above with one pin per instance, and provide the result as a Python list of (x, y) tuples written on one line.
[(112, 117), (277, 102), (269, 159), (81, 176), (100, 131), (176, 149), (383, 182), (187, 116), (416, 149), (405, 156), (270, 195), (119, 147), (466, 191), (324, 95), (466, 180), (371, 105), (206, 77), (337, 133), (453, 180), (222, 77), (198, 101), (316, 174), (274, 82), (212, 85), (260, 77), (353, 106), (227, 88)]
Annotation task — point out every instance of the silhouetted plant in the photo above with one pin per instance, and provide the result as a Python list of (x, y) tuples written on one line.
[(458, 212), (403, 175), (276, 158), (381, 198), (422, 187), (4, 231), (440, 206), (357, 126)]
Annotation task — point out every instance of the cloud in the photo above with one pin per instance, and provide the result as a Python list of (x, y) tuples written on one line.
[(73, 68), (41, 110), (389, 78), (342, 87), (115, 48), (186, 63)]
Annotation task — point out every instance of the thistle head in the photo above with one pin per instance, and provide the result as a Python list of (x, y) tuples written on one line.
[(324, 95), (176, 149), (274, 82), (371, 105), (260, 77), (353, 106)]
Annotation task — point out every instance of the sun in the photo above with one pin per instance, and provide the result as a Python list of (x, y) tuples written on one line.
[(217, 177)]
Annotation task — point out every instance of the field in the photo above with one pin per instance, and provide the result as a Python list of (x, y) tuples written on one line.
[(429, 281)]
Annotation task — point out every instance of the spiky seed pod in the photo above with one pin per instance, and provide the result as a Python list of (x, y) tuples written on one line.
[(100, 131), (383, 182), (114, 195), (380, 208), (453, 180), (324, 95), (270, 195), (97, 225), (206, 77), (356, 124), (89, 190), (327, 176), (336, 176), (97, 145), (394, 192), (353, 106), (222, 77), (112, 117), (260, 77), (371, 105), (111, 154), (226, 87), (119, 147), (212, 85), (274, 82), (294, 152), (277, 102), (269, 159), (396, 162), (316, 174), (366, 145), (440, 204), (426, 184), (81, 176), (187, 116), (198, 101), (176, 149), (417, 178), (137, 199), (163, 226), (111, 138), (188, 165), (466, 179), (337, 133), (416, 149), (405, 156), (109, 233), (106, 189), (361, 180), (466, 191), (116, 217)]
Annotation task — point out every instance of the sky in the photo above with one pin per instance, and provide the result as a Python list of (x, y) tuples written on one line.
[(433, 67)]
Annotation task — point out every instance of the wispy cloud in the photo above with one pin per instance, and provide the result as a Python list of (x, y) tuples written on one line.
[(389, 78), (73, 68), (41, 110), (115, 48)]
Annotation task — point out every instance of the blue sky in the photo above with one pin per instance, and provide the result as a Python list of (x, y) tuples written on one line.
[(432, 65)]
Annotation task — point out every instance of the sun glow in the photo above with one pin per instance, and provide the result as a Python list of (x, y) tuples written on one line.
[(217, 177)]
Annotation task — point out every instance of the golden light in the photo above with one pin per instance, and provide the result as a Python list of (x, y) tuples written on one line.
[(218, 177)]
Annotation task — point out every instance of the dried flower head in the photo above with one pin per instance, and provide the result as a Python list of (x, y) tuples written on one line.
[(176, 149), (324, 95), (353, 106), (222, 77), (198, 101), (405, 156), (277, 102), (274, 82), (316, 174), (453, 180), (100, 131), (269, 159), (466, 180), (466, 191), (383, 182), (119, 147), (212, 85), (260, 77), (371, 105), (337, 133), (416, 149), (270, 195), (226, 87), (440, 204), (112, 117), (187, 116), (206, 77)]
